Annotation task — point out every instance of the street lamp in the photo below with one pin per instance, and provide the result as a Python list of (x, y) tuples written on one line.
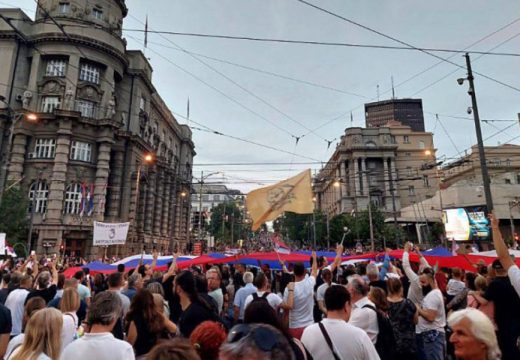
[(15, 117)]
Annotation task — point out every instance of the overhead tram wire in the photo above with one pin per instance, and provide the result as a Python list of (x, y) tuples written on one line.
[(426, 51), (321, 43), (431, 67), (251, 93)]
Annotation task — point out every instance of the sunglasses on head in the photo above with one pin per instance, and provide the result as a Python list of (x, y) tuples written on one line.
[(265, 338)]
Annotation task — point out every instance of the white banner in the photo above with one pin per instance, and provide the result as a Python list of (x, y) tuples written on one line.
[(2, 243), (110, 234)]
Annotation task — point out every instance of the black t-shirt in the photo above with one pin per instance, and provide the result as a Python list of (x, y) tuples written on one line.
[(146, 340), (173, 300), (195, 314), (507, 315), (378, 283), (5, 320), (47, 294), (3, 295), (238, 281)]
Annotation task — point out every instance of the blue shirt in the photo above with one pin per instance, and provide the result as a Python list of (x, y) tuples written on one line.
[(130, 292), (241, 296)]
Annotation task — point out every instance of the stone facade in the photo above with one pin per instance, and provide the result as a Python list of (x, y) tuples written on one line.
[(98, 116), (380, 164)]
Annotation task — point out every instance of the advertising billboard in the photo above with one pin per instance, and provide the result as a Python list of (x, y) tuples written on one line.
[(466, 224)]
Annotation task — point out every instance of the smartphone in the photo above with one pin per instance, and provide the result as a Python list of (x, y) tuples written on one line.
[(33, 253)]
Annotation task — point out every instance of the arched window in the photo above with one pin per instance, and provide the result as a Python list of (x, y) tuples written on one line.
[(421, 144), (38, 195), (73, 197)]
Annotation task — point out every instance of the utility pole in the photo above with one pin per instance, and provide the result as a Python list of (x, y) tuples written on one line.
[(314, 229), (200, 205), (480, 142)]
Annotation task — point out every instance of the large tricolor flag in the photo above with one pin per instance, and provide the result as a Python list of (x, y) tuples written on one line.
[(279, 246), (294, 194)]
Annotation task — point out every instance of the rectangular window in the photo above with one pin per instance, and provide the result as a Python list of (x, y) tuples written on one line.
[(518, 179), (50, 103), (406, 139), (81, 151), (142, 104), (426, 181), (508, 181), (216, 197), (56, 67), (89, 73), (64, 8), (45, 148), (205, 198), (97, 14), (411, 190), (86, 108)]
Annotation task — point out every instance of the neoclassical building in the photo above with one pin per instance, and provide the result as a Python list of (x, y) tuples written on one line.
[(98, 117), (387, 166)]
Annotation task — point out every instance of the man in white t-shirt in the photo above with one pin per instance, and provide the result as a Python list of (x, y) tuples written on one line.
[(99, 343), (503, 254), (300, 299), (326, 275), (262, 284), (362, 315), (432, 319), (15, 302), (347, 341)]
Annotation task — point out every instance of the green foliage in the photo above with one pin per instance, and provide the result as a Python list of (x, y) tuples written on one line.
[(298, 228), (13, 216), (232, 216)]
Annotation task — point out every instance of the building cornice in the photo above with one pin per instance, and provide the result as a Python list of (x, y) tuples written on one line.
[(80, 40)]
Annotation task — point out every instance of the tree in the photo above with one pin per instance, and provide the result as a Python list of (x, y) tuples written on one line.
[(298, 228), (223, 217), (13, 216)]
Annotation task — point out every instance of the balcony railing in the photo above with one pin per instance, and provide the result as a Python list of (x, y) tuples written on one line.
[(88, 109)]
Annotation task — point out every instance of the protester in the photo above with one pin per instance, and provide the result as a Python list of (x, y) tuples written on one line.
[(261, 312), (84, 291), (329, 337), (239, 303), (157, 289), (480, 288), (378, 296), (15, 303), (473, 336), (69, 305), (432, 319), (299, 300), (455, 284), (506, 311), (362, 316), (255, 341), (42, 339), (261, 282), (31, 307), (414, 292), (5, 329), (177, 349), (207, 339), (4, 287), (72, 284), (403, 317), (145, 324), (214, 290), (98, 342), (135, 282), (194, 309), (326, 275), (460, 301), (201, 284)]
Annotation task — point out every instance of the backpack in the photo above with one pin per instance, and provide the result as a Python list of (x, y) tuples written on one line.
[(385, 344), (260, 298)]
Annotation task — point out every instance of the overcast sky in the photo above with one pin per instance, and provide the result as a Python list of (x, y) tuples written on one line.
[(339, 80)]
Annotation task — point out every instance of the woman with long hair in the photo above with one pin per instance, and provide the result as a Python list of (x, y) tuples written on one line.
[(403, 317), (378, 297), (69, 305), (146, 325), (194, 309), (30, 308), (42, 340)]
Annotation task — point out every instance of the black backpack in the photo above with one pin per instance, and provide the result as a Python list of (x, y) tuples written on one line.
[(385, 344), (260, 298)]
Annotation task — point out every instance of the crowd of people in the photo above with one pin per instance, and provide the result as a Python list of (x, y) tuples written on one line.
[(393, 310)]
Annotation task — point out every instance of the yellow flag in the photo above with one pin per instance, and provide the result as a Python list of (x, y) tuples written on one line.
[(294, 194)]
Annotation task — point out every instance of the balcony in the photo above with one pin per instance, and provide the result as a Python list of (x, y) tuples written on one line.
[(87, 109)]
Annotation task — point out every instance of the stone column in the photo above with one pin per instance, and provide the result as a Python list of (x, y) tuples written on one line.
[(115, 185), (166, 207), (157, 215), (17, 155), (356, 176), (386, 176), (32, 85), (150, 197), (73, 70), (364, 176), (101, 183), (344, 178), (59, 173)]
